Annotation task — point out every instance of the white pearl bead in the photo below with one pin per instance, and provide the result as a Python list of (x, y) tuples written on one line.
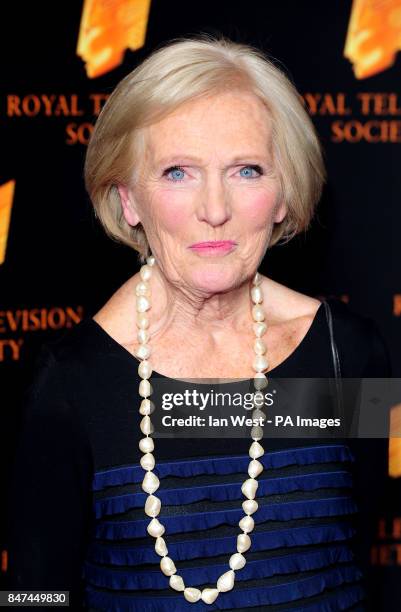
[(258, 399), (257, 433), (258, 313), (255, 468), (226, 581), (192, 595), (152, 506), (150, 260), (142, 336), (147, 461), (259, 346), (257, 295), (167, 566), (248, 406), (143, 351), (146, 407), (260, 363), (237, 561), (176, 582), (249, 488), (209, 595), (146, 445), (259, 414), (250, 506), (150, 483), (144, 369), (155, 528), (145, 388), (142, 303), (243, 542), (257, 279), (246, 524), (142, 289), (256, 450), (260, 381), (259, 329), (160, 547), (145, 272), (146, 425), (142, 321)]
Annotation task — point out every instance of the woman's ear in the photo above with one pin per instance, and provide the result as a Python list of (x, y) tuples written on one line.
[(128, 204), (280, 211)]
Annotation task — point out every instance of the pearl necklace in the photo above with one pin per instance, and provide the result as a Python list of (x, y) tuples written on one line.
[(151, 483)]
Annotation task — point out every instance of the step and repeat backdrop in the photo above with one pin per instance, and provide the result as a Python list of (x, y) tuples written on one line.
[(60, 62)]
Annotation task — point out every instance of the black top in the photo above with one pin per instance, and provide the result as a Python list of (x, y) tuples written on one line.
[(76, 505)]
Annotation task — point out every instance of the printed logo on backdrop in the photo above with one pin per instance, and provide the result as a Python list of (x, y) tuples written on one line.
[(17, 324), (373, 36), (6, 204), (108, 29), (372, 42)]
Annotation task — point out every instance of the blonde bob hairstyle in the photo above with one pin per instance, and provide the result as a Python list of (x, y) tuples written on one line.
[(183, 69)]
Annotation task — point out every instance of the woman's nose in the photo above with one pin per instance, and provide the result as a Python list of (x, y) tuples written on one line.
[(214, 202)]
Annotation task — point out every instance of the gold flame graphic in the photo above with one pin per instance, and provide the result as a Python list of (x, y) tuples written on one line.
[(108, 28), (374, 36), (394, 457), (6, 203)]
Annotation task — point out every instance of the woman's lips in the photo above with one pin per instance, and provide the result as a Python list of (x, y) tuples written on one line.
[(213, 247)]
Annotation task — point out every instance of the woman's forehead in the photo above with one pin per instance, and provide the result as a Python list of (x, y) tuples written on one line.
[(241, 126), (239, 103)]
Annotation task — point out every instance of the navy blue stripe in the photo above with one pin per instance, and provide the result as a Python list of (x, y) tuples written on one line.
[(223, 464), (192, 549), (195, 576), (237, 598), (218, 492), (332, 506)]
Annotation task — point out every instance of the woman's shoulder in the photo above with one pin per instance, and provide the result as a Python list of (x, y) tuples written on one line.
[(64, 380), (69, 344), (360, 343), (117, 317), (87, 346), (284, 304), (63, 357)]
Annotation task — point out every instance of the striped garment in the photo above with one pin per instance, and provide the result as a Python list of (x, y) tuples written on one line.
[(77, 518)]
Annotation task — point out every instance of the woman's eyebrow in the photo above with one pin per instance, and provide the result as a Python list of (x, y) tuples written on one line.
[(175, 159)]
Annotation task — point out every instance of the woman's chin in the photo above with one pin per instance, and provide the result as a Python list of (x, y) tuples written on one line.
[(214, 278)]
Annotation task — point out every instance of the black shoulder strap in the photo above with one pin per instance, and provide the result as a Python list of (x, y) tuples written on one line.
[(336, 363), (334, 351)]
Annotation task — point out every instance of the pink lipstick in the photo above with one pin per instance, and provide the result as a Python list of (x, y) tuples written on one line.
[(213, 247)]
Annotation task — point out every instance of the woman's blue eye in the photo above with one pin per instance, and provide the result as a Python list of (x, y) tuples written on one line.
[(248, 170), (176, 172)]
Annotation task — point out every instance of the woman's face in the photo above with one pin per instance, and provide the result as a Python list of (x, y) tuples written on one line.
[(208, 176)]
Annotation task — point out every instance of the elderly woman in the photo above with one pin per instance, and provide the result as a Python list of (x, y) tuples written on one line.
[(201, 160)]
